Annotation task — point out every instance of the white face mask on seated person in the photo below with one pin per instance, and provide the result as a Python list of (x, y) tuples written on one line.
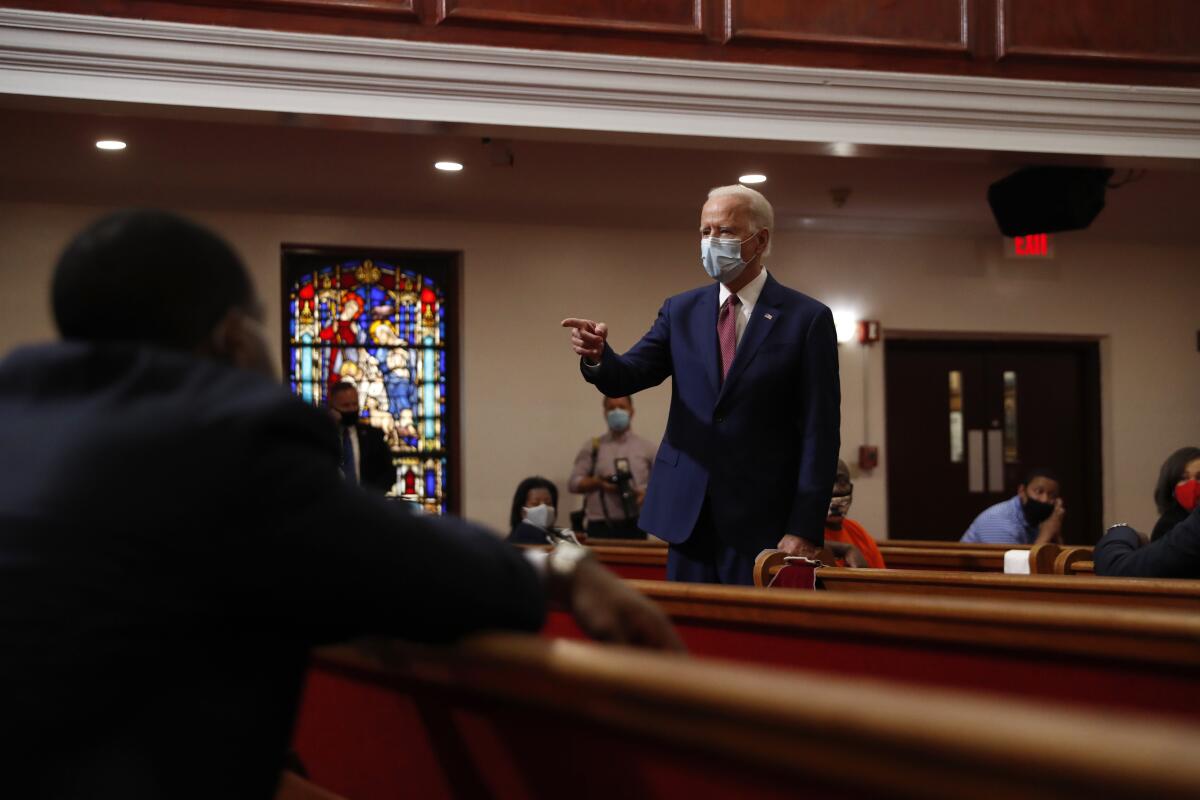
[(541, 515)]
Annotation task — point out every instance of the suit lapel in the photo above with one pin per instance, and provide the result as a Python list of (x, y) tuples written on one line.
[(759, 326), (711, 357)]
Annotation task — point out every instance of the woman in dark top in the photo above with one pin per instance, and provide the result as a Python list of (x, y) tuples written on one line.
[(533, 511), (1121, 553), (1175, 493)]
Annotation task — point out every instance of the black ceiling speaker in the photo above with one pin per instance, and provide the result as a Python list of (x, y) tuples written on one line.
[(1048, 199)]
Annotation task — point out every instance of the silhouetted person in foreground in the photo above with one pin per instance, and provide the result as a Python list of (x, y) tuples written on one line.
[(175, 536)]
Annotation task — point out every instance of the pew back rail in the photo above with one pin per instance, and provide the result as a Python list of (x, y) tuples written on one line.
[(1125, 592), (507, 715)]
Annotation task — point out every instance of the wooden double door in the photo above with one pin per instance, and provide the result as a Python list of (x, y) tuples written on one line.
[(967, 420)]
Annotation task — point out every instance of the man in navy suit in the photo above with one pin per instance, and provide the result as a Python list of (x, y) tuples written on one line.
[(751, 447)]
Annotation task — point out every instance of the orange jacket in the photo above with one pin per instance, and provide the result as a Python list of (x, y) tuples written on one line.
[(855, 534)]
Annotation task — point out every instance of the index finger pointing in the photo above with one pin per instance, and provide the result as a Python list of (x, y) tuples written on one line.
[(581, 324)]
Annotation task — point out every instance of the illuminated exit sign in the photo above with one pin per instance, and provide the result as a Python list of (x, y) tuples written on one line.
[(1035, 245)]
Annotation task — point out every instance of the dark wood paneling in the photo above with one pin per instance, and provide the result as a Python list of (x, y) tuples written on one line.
[(399, 9), (1163, 32), (671, 17), (1148, 42), (916, 25)]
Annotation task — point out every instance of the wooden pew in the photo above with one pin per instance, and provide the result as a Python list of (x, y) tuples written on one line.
[(517, 717), (1160, 594), (926, 544), (636, 562), (1041, 558), (651, 543), (1074, 561), (1050, 559), (1132, 658), (1055, 559), (969, 558), (649, 560)]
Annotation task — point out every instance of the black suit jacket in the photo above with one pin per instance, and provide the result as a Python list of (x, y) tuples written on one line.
[(1175, 555), (375, 459), (1170, 518), (174, 537), (525, 533)]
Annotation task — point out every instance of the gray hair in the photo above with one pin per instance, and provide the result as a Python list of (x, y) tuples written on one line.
[(757, 206)]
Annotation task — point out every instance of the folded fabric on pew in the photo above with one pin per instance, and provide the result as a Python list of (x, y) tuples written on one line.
[(1016, 562), (797, 572)]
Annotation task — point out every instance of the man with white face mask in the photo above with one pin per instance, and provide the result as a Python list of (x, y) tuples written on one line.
[(750, 452), (621, 454)]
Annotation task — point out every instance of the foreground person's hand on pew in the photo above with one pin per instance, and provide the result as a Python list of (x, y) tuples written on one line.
[(603, 605)]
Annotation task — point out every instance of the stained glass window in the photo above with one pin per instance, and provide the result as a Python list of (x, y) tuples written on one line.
[(379, 323)]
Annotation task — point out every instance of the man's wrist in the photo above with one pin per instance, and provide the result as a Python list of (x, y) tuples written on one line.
[(562, 565)]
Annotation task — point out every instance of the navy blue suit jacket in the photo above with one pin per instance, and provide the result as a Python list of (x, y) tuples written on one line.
[(763, 444)]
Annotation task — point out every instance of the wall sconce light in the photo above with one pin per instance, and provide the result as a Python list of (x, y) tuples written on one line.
[(846, 323)]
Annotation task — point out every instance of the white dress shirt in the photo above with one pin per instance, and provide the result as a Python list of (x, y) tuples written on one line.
[(748, 296)]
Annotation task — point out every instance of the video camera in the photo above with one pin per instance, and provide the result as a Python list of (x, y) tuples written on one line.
[(623, 478)]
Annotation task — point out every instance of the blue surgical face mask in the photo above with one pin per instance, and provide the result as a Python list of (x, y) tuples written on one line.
[(722, 258), (618, 420)]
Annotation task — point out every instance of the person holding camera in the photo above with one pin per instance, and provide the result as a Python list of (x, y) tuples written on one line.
[(612, 472)]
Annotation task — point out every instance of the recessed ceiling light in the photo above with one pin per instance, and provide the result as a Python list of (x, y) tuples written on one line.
[(448, 166), (110, 144), (843, 149), (752, 178)]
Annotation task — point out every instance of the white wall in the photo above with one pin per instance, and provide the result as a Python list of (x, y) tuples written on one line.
[(527, 410)]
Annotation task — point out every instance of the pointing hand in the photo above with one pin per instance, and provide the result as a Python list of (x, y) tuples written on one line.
[(587, 337)]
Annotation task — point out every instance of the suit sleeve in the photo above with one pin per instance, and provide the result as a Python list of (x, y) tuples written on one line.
[(378, 471), (1175, 555), (646, 364), (334, 562), (819, 422)]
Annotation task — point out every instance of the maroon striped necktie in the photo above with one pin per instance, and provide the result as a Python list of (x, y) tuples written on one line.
[(727, 332)]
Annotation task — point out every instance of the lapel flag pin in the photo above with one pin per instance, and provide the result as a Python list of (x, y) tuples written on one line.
[(768, 316)]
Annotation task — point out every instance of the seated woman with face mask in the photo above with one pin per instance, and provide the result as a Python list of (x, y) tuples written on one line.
[(1177, 492), (533, 512), (1175, 549)]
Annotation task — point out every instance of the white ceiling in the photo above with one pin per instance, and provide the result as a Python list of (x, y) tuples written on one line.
[(278, 163)]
